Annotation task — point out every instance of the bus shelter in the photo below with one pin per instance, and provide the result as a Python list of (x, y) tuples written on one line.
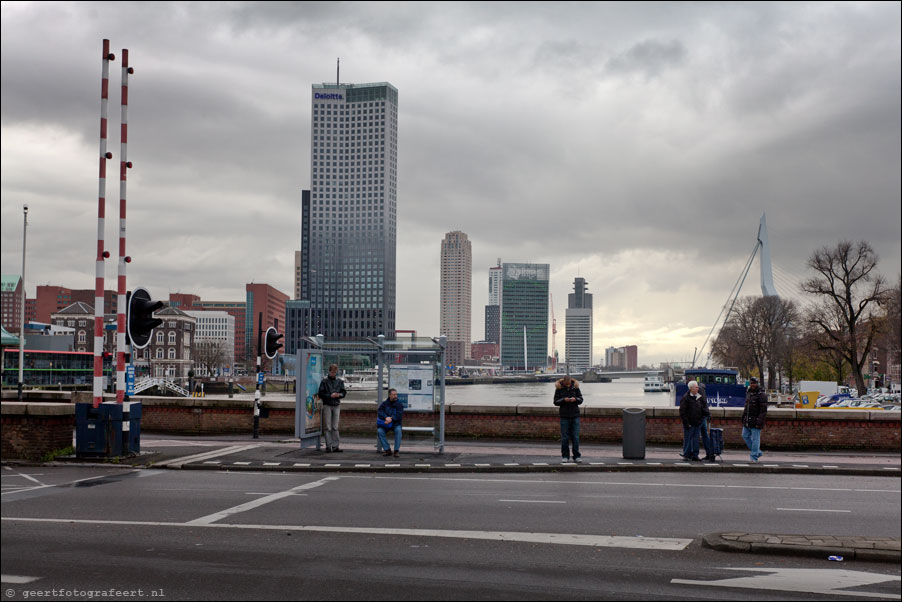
[(413, 366)]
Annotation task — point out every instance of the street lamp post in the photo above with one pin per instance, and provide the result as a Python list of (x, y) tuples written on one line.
[(22, 307)]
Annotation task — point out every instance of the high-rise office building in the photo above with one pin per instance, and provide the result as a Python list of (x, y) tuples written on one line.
[(579, 328), (349, 215), (524, 315), (455, 297), (493, 309), (495, 275), (493, 323)]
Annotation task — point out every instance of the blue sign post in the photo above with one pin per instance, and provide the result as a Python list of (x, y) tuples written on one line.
[(130, 380)]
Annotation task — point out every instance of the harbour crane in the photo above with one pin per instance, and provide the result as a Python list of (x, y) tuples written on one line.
[(553, 336)]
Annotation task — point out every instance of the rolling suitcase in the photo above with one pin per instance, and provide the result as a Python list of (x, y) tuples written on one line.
[(716, 438)]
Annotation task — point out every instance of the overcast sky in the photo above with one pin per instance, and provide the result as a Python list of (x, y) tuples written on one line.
[(636, 145)]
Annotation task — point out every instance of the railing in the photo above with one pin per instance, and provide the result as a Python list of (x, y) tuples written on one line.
[(150, 382)]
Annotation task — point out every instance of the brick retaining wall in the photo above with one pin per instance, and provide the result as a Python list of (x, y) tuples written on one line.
[(32, 430)]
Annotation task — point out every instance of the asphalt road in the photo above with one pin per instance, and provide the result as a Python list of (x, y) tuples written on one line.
[(219, 535)]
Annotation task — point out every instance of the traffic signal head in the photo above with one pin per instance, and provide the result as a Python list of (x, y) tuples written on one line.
[(140, 318), (272, 344)]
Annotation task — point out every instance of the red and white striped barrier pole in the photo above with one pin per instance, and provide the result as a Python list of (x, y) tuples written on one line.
[(101, 211), (123, 259)]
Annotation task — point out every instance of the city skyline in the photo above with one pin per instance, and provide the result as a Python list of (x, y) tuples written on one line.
[(634, 145)]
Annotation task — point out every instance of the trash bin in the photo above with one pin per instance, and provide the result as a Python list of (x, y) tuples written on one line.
[(634, 434)]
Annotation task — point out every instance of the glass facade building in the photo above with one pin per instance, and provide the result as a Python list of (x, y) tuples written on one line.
[(349, 215), (524, 316)]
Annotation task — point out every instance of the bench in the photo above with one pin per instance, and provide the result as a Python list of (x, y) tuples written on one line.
[(410, 429)]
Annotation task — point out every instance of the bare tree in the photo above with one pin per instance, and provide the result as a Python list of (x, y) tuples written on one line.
[(209, 356), (758, 336), (849, 292)]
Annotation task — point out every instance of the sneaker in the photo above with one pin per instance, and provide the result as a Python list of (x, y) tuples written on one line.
[(578, 460), (753, 458), (565, 460)]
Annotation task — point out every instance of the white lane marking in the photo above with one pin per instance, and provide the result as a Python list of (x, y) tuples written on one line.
[(103, 476), (509, 464), (212, 518), (25, 476), (299, 465), (534, 501), (241, 463), (609, 483), (272, 464), (813, 581), (606, 541), (453, 465), (362, 465), (207, 455), (17, 579), (810, 510)]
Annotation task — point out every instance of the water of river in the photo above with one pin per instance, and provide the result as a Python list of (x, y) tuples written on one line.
[(621, 392)]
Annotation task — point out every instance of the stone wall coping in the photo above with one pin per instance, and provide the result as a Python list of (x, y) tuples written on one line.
[(517, 410), (886, 416), (589, 411), (504, 410), (25, 408), (529, 410)]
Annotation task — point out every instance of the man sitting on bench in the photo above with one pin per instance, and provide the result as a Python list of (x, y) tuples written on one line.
[(388, 418)]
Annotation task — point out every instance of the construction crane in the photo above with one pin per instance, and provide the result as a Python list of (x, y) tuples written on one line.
[(553, 336)]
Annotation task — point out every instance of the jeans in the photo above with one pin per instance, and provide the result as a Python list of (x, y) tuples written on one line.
[(330, 425), (752, 439), (380, 432), (690, 441), (570, 432), (706, 437)]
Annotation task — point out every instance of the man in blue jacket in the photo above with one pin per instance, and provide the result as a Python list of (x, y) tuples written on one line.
[(388, 418)]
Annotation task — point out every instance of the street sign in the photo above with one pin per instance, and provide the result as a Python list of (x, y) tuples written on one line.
[(260, 378), (130, 380)]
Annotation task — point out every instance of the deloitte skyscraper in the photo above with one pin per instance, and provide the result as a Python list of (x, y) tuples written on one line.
[(349, 215)]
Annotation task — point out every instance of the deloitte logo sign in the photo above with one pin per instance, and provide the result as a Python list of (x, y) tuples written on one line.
[(319, 96)]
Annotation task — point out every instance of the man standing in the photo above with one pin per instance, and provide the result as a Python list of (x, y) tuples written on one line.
[(693, 407), (568, 399), (753, 418), (388, 418), (331, 392)]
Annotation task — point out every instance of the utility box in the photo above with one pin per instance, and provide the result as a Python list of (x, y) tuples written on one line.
[(634, 434), (131, 427), (98, 431)]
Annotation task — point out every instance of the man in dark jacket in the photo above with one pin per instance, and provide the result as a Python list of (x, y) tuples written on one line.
[(388, 418), (331, 392), (568, 399), (693, 408), (753, 418)]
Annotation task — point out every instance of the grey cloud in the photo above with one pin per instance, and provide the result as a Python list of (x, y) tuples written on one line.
[(649, 58)]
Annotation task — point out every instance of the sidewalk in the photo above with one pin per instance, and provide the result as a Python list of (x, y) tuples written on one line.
[(359, 455)]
